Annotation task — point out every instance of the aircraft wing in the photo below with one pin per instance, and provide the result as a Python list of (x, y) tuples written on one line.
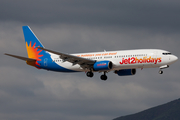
[(21, 58), (83, 62)]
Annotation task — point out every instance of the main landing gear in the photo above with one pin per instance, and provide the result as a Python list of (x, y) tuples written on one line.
[(104, 77), (90, 74)]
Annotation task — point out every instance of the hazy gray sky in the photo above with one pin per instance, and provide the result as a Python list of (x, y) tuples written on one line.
[(86, 26)]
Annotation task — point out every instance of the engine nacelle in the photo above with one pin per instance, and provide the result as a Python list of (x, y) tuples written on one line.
[(126, 72), (102, 65)]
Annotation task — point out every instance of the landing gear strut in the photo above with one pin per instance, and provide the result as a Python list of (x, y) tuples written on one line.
[(90, 74), (104, 77), (163, 67)]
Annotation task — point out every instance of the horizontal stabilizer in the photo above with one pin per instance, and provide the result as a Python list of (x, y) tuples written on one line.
[(21, 58)]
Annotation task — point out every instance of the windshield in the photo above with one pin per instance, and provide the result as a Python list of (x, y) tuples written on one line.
[(166, 53)]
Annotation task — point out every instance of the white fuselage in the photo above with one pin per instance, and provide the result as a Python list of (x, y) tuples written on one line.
[(123, 63), (125, 59)]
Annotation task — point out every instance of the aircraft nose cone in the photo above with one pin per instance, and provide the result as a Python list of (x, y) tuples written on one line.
[(174, 58)]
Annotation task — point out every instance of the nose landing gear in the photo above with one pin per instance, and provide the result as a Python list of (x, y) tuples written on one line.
[(163, 67), (160, 71)]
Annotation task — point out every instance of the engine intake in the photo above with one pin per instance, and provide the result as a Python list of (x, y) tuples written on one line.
[(126, 72), (102, 65)]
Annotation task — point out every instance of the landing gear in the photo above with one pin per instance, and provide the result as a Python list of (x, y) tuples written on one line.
[(163, 67), (160, 71), (104, 77), (90, 74)]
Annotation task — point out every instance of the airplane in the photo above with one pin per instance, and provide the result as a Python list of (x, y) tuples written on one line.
[(123, 62)]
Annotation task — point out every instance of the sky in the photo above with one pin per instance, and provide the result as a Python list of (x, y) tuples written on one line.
[(86, 26)]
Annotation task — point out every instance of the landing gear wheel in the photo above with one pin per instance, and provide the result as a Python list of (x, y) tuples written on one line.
[(90, 74), (160, 72), (103, 77)]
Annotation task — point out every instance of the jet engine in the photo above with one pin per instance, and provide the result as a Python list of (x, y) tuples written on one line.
[(126, 72), (102, 65)]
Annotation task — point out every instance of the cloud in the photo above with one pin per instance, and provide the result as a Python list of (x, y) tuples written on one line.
[(26, 89), (73, 27), (152, 14)]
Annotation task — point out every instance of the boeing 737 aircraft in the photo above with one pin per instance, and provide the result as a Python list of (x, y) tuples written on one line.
[(124, 62)]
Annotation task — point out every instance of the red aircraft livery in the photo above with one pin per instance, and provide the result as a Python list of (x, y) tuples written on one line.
[(134, 60)]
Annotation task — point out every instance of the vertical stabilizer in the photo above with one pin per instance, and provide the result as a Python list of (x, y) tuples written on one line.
[(32, 43)]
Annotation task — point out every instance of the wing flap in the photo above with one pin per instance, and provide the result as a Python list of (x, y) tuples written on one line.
[(83, 62)]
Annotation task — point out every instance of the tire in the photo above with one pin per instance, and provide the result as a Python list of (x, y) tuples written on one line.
[(160, 72), (90, 74), (103, 77)]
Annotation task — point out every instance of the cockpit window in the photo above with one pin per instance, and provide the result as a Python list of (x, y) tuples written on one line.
[(166, 53)]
